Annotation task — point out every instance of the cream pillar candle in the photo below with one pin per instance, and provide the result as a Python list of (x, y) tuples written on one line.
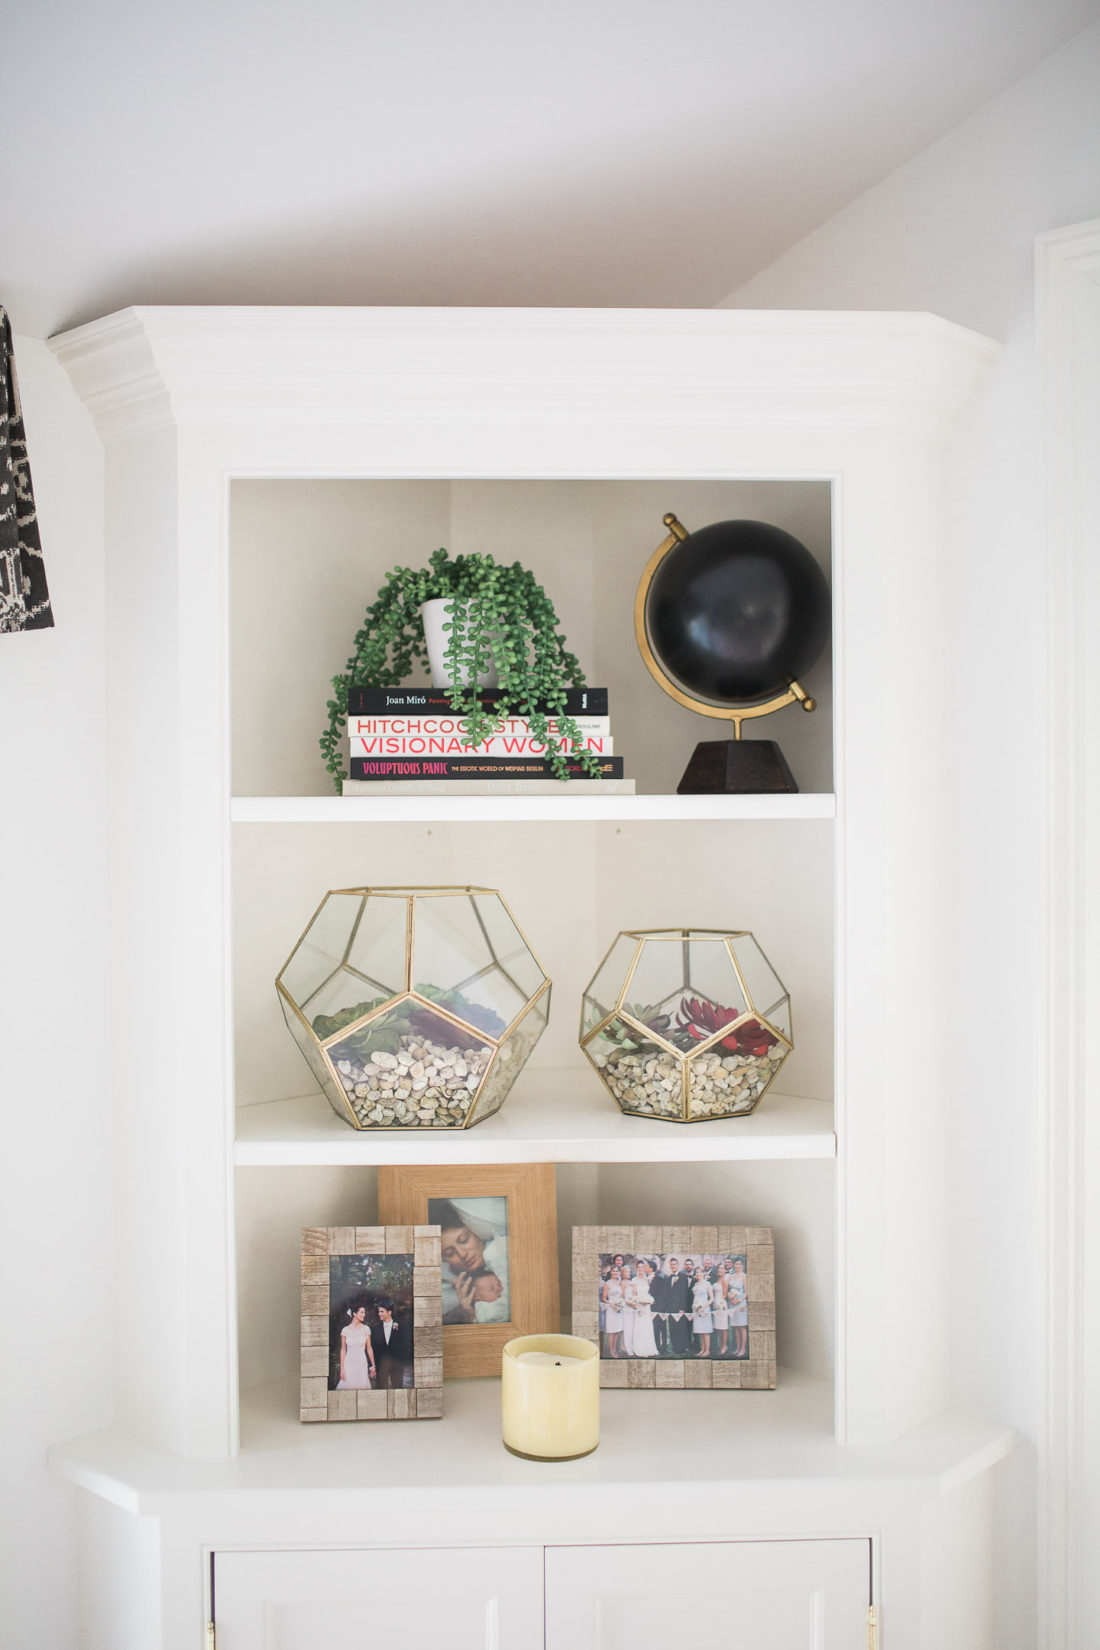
[(550, 1397)]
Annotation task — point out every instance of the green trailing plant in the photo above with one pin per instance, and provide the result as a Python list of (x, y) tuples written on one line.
[(496, 614)]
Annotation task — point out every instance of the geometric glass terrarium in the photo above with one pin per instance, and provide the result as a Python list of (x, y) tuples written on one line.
[(415, 1007), (686, 1024)]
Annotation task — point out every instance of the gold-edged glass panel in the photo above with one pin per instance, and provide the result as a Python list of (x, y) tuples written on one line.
[(454, 965), (721, 1085), (378, 947), (643, 1077), (344, 998), (410, 1068), (322, 947), (592, 1013), (762, 982), (780, 1018), (607, 982), (316, 1060), (507, 944), (512, 1056)]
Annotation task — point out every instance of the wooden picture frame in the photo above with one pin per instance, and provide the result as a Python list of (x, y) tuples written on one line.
[(526, 1194), (393, 1268), (723, 1365)]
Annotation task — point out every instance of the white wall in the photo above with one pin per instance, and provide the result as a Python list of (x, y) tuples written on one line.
[(953, 232), (56, 1234)]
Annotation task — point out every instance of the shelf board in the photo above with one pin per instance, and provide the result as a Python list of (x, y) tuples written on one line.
[(552, 1117), (350, 810), (685, 1445)]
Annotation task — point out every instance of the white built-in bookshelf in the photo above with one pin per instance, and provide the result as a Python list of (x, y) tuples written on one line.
[(265, 470)]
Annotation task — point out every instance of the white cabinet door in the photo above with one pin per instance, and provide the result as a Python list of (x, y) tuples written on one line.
[(742, 1595), (465, 1598)]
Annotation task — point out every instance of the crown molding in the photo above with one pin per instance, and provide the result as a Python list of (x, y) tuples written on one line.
[(147, 368)]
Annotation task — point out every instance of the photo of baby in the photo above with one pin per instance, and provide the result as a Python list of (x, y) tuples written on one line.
[(475, 1258)]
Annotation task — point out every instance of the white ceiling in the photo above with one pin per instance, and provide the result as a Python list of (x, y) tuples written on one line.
[(560, 152)]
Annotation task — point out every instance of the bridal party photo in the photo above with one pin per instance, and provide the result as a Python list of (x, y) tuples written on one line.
[(674, 1306)]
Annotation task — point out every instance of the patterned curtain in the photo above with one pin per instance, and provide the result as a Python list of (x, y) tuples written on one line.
[(24, 598)]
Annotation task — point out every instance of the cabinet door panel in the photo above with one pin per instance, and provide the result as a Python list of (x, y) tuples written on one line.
[(743, 1595), (466, 1598)]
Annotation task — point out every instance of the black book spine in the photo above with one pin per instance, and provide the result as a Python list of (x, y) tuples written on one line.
[(379, 701), (475, 767)]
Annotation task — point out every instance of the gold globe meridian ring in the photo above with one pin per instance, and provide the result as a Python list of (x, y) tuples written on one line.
[(742, 713)]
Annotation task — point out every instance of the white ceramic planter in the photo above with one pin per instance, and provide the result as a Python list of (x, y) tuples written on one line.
[(433, 615)]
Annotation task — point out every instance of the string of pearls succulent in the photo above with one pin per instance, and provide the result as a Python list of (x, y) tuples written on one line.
[(423, 1085)]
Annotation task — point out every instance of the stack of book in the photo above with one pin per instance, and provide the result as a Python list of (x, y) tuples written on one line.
[(410, 738)]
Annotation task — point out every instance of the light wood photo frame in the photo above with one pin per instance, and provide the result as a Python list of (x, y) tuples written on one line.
[(519, 1203), (729, 1348), (392, 1269)]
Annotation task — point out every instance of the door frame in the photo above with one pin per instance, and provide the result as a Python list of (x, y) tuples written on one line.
[(1068, 348)]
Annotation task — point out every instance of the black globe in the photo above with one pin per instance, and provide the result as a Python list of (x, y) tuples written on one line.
[(736, 610)]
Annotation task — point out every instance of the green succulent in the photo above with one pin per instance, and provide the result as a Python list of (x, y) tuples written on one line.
[(626, 1038), (408, 1020), (651, 1016), (327, 1025), (362, 1043), (474, 1014)]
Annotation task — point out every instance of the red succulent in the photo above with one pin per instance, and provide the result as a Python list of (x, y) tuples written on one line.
[(697, 1020)]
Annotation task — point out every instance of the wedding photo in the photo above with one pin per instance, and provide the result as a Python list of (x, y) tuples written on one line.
[(370, 1322), (476, 1263), (673, 1306)]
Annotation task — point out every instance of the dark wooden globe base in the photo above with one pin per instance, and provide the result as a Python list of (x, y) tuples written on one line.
[(736, 767)]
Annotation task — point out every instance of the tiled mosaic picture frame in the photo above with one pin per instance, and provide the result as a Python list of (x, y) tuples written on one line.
[(423, 1401), (758, 1371)]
